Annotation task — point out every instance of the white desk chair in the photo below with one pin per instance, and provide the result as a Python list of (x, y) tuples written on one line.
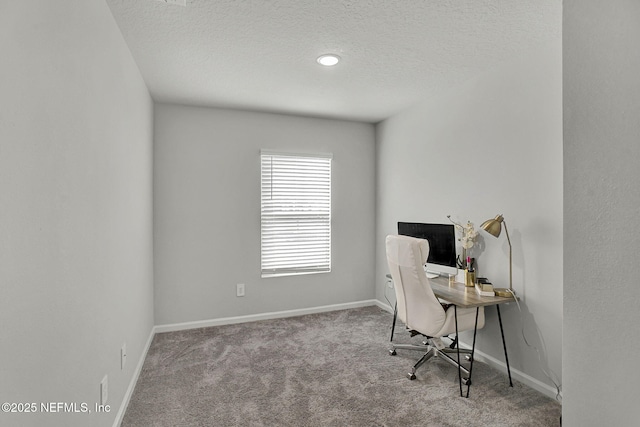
[(418, 307)]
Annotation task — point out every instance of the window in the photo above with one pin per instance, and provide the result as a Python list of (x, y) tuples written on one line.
[(295, 214)]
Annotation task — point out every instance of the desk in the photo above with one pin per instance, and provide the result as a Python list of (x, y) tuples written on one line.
[(463, 296), (466, 297)]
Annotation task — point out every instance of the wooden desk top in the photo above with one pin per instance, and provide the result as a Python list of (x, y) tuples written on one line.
[(463, 296)]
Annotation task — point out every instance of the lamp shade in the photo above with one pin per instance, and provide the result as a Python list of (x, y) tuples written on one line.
[(493, 226)]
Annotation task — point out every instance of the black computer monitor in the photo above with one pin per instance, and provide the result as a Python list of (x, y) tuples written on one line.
[(442, 245)]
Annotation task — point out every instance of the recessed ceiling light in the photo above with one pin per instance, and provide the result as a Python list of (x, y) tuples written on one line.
[(328, 60)]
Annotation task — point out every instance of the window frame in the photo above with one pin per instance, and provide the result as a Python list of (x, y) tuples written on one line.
[(295, 226)]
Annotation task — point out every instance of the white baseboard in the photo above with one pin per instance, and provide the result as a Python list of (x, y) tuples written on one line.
[(134, 379), (385, 307), (262, 316)]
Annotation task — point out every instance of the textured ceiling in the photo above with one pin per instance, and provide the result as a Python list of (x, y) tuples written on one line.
[(261, 54)]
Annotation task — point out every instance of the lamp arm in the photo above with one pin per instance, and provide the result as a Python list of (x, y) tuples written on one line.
[(510, 263)]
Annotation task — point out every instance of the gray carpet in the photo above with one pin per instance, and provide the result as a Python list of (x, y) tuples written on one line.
[(328, 369)]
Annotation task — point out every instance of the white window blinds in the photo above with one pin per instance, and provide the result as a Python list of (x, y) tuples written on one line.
[(295, 214)]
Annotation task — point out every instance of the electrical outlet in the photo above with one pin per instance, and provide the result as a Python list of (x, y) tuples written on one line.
[(104, 390), (123, 355), (240, 290)]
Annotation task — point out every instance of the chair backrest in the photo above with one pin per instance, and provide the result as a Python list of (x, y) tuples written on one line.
[(418, 307)]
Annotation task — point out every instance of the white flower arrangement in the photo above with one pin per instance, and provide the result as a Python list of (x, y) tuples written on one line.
[(467, 239), (467, 231)]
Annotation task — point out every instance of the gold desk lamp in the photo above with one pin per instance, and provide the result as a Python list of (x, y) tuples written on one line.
[(494, 227)]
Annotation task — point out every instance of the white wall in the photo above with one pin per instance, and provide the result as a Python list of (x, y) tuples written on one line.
[(207, 212), (602, 206), (75, 216), (490, 146)]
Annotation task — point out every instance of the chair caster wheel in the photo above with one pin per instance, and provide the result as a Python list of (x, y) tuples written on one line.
[(411, 376), (468, 358), (466, 381), (392, 352)]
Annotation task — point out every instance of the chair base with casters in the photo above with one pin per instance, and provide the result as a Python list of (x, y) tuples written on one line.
[(431, 350)]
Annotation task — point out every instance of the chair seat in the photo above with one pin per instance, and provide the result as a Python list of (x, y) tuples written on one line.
[(466, 320)]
